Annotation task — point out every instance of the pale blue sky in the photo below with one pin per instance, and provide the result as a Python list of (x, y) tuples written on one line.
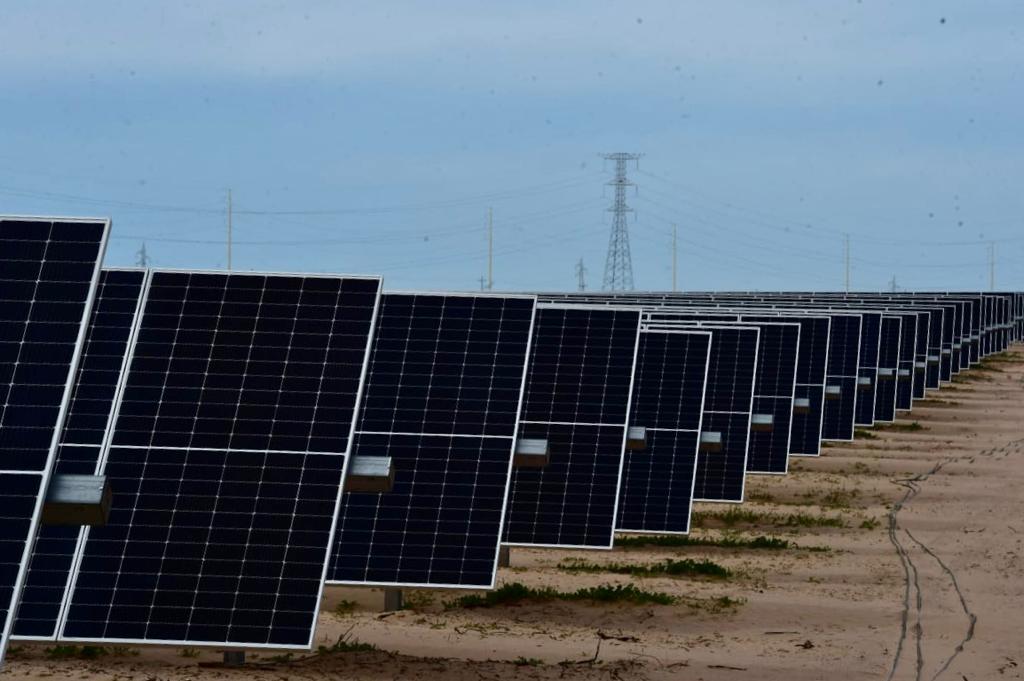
[(372, 137)]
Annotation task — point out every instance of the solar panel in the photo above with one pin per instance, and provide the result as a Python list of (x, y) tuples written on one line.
[(442, 400), (229, 447), (92, 401), (668, 400), (728, 405), (867, 371), (888, 368), (577, 397), (48, 274), (843, 362)]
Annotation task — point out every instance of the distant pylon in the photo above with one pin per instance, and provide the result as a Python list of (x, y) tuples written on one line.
[(618, 267), (581, 276), (141, 257)]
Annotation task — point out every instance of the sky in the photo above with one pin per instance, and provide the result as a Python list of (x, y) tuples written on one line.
[(373, 138)]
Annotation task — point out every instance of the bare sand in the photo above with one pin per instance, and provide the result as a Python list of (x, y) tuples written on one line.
[(938, 591)]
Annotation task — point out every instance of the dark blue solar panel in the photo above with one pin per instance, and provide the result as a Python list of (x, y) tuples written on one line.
[(226, 545), (870, 336), (92, 401), (577, 397), (668, 396), (727, 408), (442, 399), (888, 365), (48, 273), (844, 353)]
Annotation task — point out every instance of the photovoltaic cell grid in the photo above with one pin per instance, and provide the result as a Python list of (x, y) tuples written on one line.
[(668, 399), (48, 275), (577, 397), (443, 393), (228, 453), (92, 400)]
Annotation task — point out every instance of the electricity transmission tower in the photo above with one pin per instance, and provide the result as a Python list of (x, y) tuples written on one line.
[(581, 276), (142, 258), (618, 267)]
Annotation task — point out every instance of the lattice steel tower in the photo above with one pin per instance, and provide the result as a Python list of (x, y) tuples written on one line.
[(618, 267)]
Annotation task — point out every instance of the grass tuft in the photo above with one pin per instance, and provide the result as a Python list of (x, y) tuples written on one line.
[(715, 605), (729, 540), (62, 652), (864, 434), (515, 592), (741, 516), (668, 567), (346, 645)]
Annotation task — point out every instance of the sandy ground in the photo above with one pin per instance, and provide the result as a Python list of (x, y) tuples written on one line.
[(931, 539)]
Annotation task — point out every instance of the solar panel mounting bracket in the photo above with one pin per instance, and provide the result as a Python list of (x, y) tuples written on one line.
[(531, 453), (762, 423), (710, 442), (77, 500), (636, 438), (374, 474)]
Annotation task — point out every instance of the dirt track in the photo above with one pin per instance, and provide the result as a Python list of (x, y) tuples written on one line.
[(924, 533)]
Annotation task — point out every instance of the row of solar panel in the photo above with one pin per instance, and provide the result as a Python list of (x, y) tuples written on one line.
[(224, 410)]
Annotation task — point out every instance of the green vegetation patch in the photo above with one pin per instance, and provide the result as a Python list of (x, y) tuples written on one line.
[(686, 567), (901, 427), (741, 516), (61, 652), (515, 592)]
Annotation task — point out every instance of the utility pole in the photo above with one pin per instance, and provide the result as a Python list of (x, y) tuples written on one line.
[(992, 266), (141, 257), (483, 283), (674, 261), (229, 230), (846, 253), (618, 266), (581, 276), (490, 249)]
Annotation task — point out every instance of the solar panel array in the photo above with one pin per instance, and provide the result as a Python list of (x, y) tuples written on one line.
[(48, 275), (577, 397), (443, 394), (224, 410)]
